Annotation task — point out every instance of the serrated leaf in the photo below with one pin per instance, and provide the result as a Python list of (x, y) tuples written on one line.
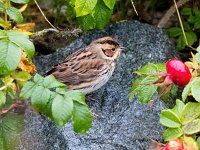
[(189, 143), (81, 118), (178, 108), (84, 7), (181, 43), (38, 79), (2, 98), (62, 108), (27, 90), (172, 133), (197, 56), (40, 98), (191, 37), (11, 127), (51, 82), (110, 3), (197, 24), (174, 32), (2, 7), (190, 112), (186, 11), (10, 55), (22, 41), (186, 26), (134, 86), (145, 91), (192, 127), (102, 14), (148, 68), (186, 90), (87, 22), (61, 90), (20, 1), (161, 67), (76, 96), (22, 76), (169, 119), (195, 90), (15, 14)]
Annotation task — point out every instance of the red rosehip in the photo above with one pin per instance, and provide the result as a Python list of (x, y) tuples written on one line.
[(175, 144), (178, 72)]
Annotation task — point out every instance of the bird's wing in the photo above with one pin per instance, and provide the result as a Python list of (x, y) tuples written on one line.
[(81, 67)]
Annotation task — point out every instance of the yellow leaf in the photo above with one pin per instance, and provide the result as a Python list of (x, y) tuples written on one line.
[(28, 28), (25, 65), (189, 143)]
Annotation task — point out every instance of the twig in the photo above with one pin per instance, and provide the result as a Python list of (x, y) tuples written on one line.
[(3, 112), (170, 12), (44, 15), (179, 17), (134, 7)]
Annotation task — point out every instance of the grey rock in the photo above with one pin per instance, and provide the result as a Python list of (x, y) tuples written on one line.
[(117, 124)]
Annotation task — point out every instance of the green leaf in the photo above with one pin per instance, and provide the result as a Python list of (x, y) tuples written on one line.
[(84, 7), (148, 68), (62, 108), (10, 55), (186, 26), (40, 98), (22, 76), (2, 98), (169, 119), (145, 91), (198, 49), (190, 112), (38, 79), (20, 1), (161, 67), (178, 108), (198, 142), (186, 91), (195, 90), (197, 24), (174, 32), (172, 133), (191, 37), (186, 11), (135, 85), (181, 43), (11, 127), (110, 3), (22, 40), (51, 82), (192, 127), (197, 56), (102, 14), (71, 13), (81, 118), (27, 90), (61, 90), (15, 14), (76, 95), (87, 22), (2, 7)]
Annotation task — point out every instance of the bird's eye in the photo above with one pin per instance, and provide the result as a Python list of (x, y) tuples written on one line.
[(113, 49)]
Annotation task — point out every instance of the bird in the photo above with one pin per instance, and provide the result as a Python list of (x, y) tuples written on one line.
[(89, 68)]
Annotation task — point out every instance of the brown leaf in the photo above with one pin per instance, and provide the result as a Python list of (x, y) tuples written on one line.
[(25, 65)]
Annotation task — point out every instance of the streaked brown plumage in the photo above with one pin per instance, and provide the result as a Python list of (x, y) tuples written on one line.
[(89, 68)]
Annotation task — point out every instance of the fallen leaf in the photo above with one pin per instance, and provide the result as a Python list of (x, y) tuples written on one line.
[(25, 65)]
